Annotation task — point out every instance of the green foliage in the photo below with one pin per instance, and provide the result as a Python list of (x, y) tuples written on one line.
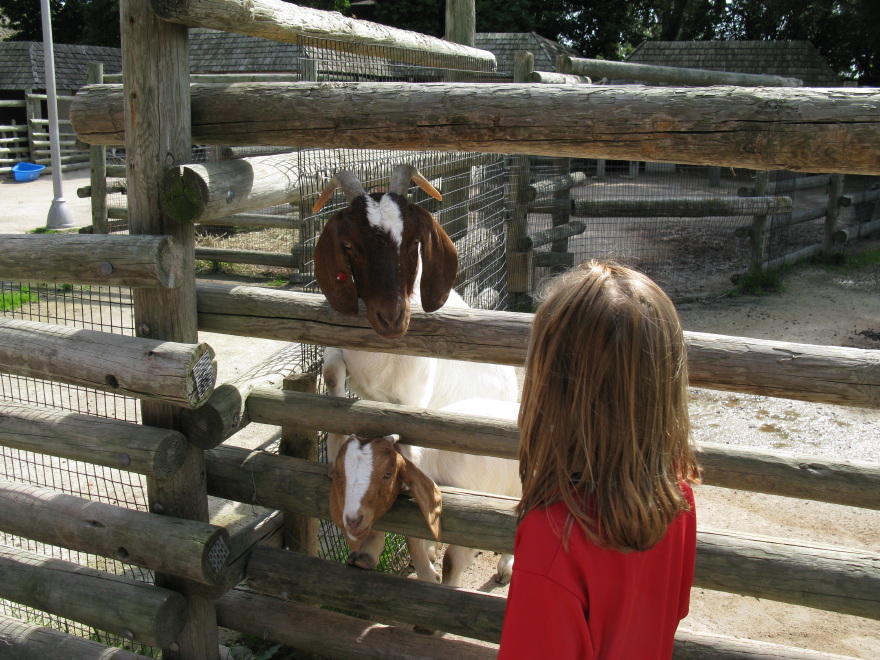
[(848, 262), (44, 230), (14, 299), (90, 22)]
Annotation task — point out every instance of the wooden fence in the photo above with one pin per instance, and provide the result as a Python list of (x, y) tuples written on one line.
[(197, 564)]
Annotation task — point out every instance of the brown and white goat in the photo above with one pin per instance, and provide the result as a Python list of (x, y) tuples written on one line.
[(373, 249), (366, 478)]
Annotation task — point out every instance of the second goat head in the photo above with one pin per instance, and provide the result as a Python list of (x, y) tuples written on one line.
[(372, 248)]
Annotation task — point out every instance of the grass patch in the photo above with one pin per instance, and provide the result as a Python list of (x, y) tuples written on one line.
[(759, 283), (43, 230), (14, 299), (848, 262)]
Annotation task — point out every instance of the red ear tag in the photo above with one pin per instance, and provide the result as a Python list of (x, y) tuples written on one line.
[(341, 276)]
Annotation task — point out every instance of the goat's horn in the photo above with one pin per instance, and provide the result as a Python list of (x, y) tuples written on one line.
[(348, 181), (401, 177)]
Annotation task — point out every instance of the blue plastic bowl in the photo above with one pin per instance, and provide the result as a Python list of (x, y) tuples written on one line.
[(27, 171)]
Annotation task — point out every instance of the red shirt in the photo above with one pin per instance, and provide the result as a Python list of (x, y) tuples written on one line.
[(592, 602)]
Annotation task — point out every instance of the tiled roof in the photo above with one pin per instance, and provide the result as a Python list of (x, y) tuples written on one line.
[(792, 59), (212, 51), (505, 44), (22, 65)]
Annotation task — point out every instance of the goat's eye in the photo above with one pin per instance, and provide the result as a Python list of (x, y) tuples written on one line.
[(387, 475), (347, 245)]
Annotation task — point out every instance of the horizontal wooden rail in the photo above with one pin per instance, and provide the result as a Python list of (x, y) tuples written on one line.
[(860, 198), (824, 374), (44, 97), (801, 129), (308, 628), (12, 104), (26, 641), (547, 236), (224, 77), (78, 437), (850, 233), (848, 483), (785, 220), (552, 78), (136, 611), (186, 548), (671, 75), (549, 187), (256, 257), (182, 374), (282, 21), (463, 612), (225, 412), (334, 635), (116, 171), (690, 207), (257, 221), (133, 261), (835, 579), (788, 185)]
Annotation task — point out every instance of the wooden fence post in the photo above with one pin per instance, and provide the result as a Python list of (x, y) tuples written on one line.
[(34, 111), (759, 235), (300, 532), (519, 264), (98, 161), (158, 135), (835, 190)]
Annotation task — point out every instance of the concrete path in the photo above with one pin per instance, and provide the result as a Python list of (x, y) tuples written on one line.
[(24, 206)]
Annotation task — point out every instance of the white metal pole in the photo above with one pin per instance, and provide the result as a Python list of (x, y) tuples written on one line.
[(59, 215)]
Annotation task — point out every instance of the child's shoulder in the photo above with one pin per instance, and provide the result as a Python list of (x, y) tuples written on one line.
[(539, 536)]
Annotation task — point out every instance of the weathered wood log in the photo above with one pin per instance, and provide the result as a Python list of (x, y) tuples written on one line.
[(224, 414), (553, 78), (199, 193), (551, 206), (825, 374), (116, 171), (827, 578), (689, 207), (222, 255), (671, 75), (182, 374), (803, 129), (26, 641), (136, 611), (395, 598), (256, 220), (850, 233), (549, 187), (788, 185), (334, 635), (784, 220), (296, 486), (832, 212), (547, 236), (117, 213), (795, 257), (860, 198), (847, 483), (79, 437), (281, 21), (187, 548), (700, 646), (134, 261), (224, 77), (822, 577), (554, 260), (427, 428)]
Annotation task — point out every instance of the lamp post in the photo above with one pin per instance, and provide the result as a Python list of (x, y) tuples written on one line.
[(59, 214)]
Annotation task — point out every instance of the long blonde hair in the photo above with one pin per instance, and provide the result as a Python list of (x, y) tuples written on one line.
[(603, 422)]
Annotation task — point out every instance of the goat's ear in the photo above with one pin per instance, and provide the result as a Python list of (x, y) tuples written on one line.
[(424, 491), (332, 271), (439, 262)]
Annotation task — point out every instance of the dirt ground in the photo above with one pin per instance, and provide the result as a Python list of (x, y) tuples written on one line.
[(818, 306)]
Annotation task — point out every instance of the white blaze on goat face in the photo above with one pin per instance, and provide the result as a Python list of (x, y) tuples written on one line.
[(358, 476), (385, 215)]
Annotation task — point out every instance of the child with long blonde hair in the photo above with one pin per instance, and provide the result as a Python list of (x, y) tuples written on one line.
[(606, 543)]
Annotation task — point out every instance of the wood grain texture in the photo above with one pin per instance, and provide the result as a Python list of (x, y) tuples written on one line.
[(26, 641), (130, 261), (800, 129), (136, 611), (79, 437), (671, 75), (144, 368), (806, 372)]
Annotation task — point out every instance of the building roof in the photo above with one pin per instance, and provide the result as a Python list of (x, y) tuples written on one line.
[(505, 44), (213, 51), (22, 65), (791, 59)]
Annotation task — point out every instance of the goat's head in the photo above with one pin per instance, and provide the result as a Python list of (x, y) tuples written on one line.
[(370, 249), (366, 479)]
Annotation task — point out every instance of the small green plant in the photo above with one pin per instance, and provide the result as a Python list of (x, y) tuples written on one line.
[(14, 299), (44, 230), (847, 262), (278, 281), (759, 282)]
